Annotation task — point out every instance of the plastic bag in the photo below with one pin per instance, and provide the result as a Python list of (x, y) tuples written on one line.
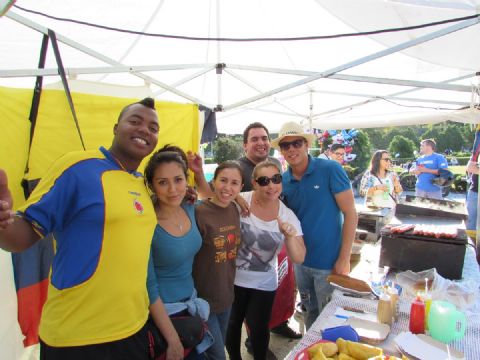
[(463, 294)]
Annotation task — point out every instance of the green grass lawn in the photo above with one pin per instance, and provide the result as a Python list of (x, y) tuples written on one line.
[(459, 169)]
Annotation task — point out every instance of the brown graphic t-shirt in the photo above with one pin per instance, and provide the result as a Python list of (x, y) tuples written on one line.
[(214, 265)]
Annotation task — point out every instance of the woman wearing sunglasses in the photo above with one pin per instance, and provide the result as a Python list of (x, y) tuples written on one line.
[(379, 184), (264, 232)]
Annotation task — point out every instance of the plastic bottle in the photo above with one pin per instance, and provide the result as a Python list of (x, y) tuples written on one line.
[(428, 301), (417, 316), (393, 292), (384, 309), (387, 191)]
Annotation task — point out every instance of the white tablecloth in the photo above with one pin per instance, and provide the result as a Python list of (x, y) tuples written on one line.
[(469, 345)]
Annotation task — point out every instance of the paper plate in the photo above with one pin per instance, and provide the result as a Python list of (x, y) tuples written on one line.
[(303, 355), (369, 332)]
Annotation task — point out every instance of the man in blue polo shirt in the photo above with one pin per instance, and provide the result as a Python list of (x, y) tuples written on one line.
[(320, 194), (427, 169)]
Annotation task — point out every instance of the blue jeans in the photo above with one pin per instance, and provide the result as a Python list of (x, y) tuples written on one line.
[(314, 290), (217, 324), (429, 194), (472, 202)]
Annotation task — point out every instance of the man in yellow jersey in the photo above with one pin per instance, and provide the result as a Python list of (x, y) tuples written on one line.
[(97, 208)]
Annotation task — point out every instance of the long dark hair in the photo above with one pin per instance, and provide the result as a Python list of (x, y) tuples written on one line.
[(375, 162), (167, 154)]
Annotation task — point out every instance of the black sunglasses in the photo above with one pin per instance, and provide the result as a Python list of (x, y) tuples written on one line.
[(265, 180), (387, 159), (297, 144)]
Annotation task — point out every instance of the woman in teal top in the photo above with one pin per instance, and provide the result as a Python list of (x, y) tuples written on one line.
[(176, 239), (173, 258)]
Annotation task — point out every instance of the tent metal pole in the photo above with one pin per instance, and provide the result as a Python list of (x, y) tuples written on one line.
[(249, 84), (368, 79), (35, 26), (186, 79), (377, 99), (220, 65), (379, 54), (400, 82), (433, 101), (130, 69), (310, 116), (99, 70), (242, 79), (243, 109)]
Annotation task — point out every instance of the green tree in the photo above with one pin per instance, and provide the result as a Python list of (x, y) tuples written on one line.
[(439, 133), (377, 137), (402, 146), (452, 138), (406, 132), (225, 148), (468, 134), (363, 149), (382, 137)]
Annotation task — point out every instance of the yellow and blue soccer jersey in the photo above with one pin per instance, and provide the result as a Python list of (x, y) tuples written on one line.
[(102, 219)]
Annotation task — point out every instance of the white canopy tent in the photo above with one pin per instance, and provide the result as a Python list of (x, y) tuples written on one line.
[(356, 81)]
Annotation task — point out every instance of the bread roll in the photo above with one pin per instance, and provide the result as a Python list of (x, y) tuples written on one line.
[(349, 282)]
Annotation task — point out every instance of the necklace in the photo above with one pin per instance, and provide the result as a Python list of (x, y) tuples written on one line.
[(170, 220), (179, 226)]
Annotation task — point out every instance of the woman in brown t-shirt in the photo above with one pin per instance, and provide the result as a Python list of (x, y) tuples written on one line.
[(214, 266)]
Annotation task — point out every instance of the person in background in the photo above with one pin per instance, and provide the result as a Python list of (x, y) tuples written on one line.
[(334, 152), (214, 265), (426, 170), (325, 155), (472, 194), (98, 209), (319, 193), (380, 186), (176, 239), (269, 225)]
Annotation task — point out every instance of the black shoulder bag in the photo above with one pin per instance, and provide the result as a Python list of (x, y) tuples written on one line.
[(190, 329)]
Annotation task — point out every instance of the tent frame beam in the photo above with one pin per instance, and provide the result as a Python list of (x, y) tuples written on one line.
[(209, 67), (403, 92), (367, 79), (67, 41), (362, 60), (309, 76)]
